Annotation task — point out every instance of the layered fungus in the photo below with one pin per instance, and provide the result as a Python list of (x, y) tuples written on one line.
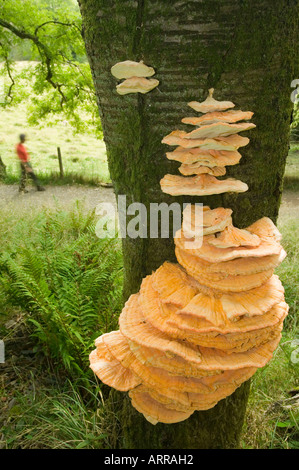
[(205, 151), (199, 328), (135, 75)]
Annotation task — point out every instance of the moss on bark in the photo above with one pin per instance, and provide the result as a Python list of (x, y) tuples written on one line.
[(248, 51)]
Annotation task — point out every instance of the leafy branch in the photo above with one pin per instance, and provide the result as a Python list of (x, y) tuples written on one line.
[(9, 73), (59, 78), (56, 23), (43, 51)]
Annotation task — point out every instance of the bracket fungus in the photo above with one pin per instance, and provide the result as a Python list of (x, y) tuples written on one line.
[(231, 116), (197, 329), (199, 169), (135, 75), (210, 104), (208, 158), (200, 185), (205, 151), (183, 139), (136, 85), (129, 68)]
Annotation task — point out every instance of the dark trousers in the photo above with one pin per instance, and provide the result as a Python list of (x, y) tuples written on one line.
[(26, 170)]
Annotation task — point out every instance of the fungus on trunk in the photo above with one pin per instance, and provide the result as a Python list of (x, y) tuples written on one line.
[(135, 74), (210, 104), (198, 329), (136, 85), (129, 68)]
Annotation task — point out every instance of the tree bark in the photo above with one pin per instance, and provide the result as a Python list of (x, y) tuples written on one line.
[(248, 51)]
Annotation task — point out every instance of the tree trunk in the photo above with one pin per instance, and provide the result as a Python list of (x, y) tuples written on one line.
[(248, 51), (2, 169)]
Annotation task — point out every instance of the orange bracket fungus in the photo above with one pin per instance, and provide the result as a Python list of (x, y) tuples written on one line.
[(200, 185), (136, 85), (199, 328), (135, 75), (210, 104), (129, 68)]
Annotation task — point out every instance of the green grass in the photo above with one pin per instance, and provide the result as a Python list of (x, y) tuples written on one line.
[(55, 179), (291, 178), (55, 419), (272, 418), (288, 271)]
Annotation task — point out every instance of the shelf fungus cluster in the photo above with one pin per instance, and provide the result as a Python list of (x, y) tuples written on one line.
[(207, 150), (199, 328), (136, 77)]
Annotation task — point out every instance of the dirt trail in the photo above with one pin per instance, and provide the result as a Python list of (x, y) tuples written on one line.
[(289, 206), (61, 196), (66, 196)]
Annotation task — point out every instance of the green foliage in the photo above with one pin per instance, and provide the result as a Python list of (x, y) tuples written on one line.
[(288, 271), (55, 419), (272, 413), (67, 280), (48, 32), (291, 176), (295, 123)]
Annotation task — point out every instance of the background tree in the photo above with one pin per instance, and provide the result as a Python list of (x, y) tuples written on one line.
[(48, 32), (295, 122), (247, 51)]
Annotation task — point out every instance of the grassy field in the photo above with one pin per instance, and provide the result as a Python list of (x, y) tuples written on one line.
[(84, 155)]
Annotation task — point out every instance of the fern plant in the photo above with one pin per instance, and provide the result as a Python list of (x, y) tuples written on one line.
[(69, 281)]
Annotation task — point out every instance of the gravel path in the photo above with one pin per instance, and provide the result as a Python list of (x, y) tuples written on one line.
[(66, 196)]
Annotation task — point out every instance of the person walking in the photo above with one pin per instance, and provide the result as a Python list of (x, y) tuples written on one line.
[(26, 168)]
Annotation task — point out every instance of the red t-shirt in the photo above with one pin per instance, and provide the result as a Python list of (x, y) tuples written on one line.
[(22, 153)]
